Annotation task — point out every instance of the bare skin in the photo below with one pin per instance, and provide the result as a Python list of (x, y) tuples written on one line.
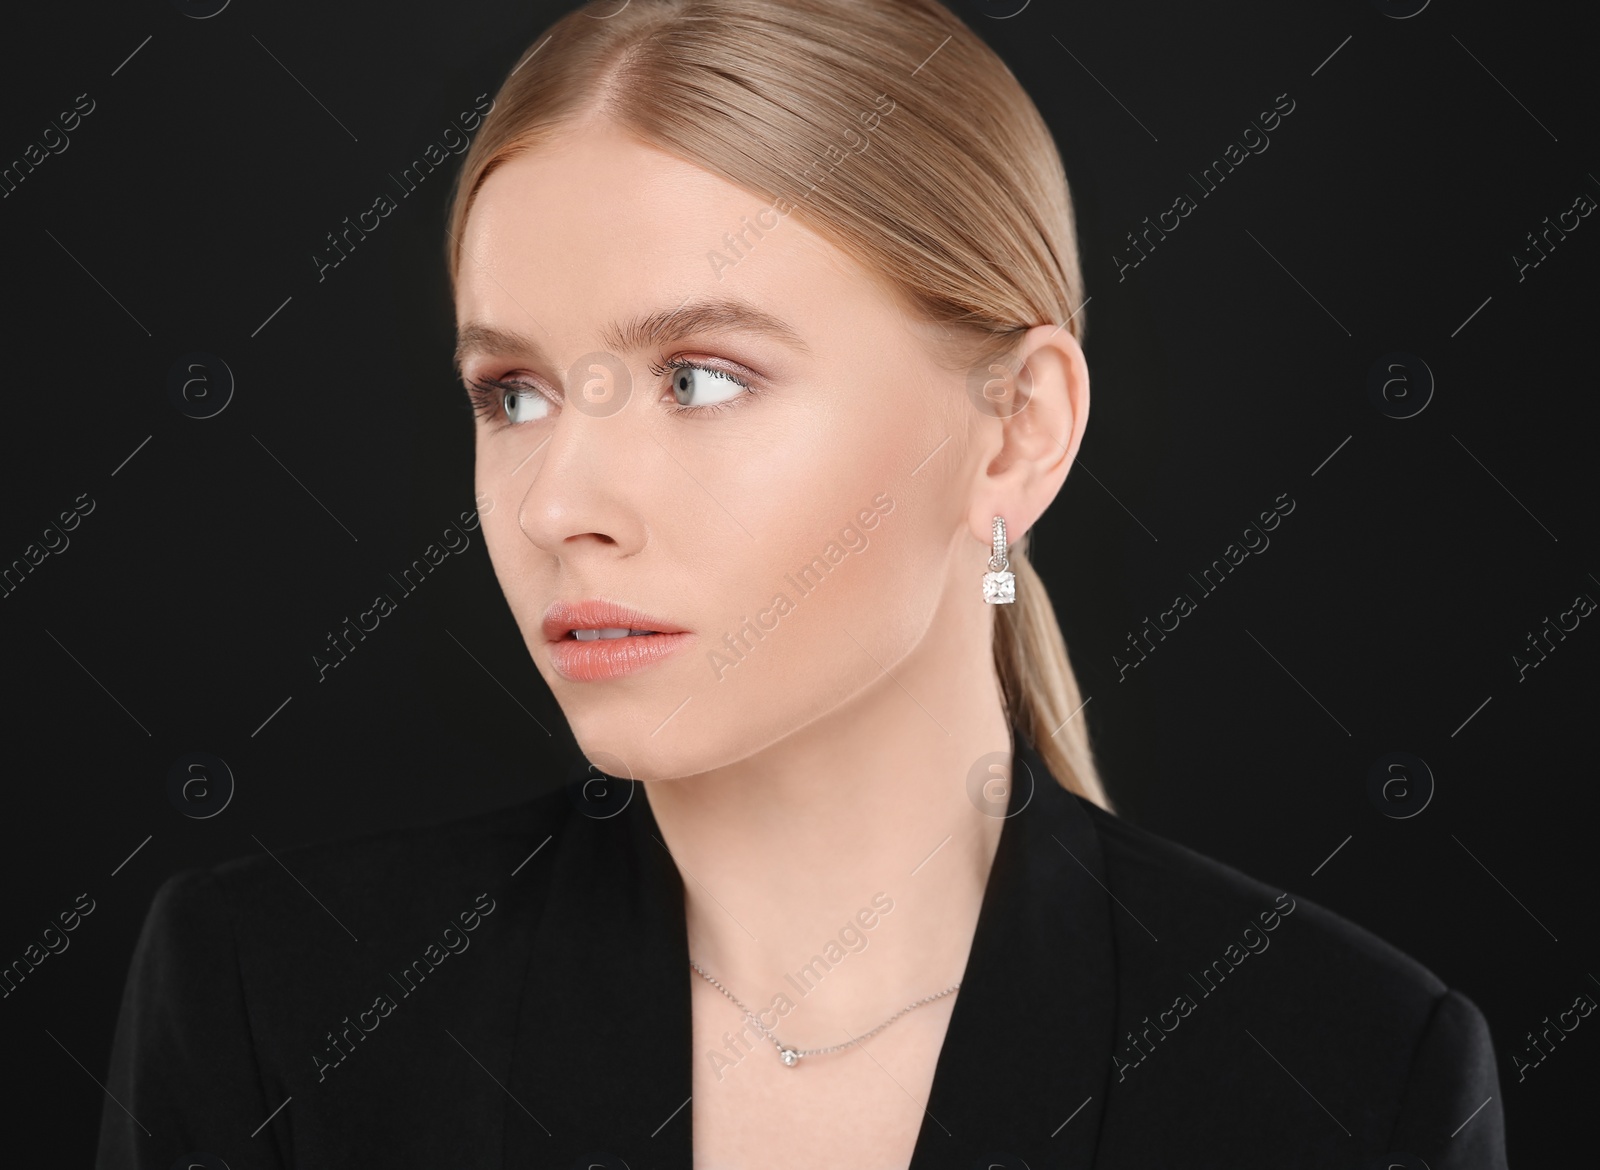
[(829, 761)]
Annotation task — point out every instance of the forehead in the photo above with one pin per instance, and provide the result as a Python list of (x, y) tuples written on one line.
[(594, 211)]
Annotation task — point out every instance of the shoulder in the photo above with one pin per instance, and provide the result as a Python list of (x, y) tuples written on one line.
[(253, 978), (406, 863), (272, 918), (1271, 980), (1200, 901), (376, 878), (286, 940)]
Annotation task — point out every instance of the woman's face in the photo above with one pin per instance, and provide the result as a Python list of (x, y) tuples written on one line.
[(800, 528)]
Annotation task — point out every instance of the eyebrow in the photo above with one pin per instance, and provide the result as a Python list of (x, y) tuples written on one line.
[(643, 331)]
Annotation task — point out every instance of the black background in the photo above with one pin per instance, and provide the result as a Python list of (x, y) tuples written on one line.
[(1383, 617)]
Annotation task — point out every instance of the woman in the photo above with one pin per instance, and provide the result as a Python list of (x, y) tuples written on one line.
[(770, 312)]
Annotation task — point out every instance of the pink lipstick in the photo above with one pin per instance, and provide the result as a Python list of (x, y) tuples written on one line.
[(593, 640)]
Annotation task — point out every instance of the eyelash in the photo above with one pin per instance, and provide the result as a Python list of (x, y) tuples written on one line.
[(486, 394)]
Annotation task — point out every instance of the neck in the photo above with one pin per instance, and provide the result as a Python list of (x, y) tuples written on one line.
[(860, 817)]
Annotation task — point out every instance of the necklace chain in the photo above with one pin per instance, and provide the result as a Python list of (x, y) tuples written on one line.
[(791, 1056)]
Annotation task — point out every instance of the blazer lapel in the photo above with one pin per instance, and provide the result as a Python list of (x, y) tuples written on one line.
[(603, 1045), (1026, 1062)]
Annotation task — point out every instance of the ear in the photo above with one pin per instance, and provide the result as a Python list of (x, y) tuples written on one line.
[(1033, 434)]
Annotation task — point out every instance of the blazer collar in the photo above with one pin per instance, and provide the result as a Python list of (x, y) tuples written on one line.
[(602, 1054)]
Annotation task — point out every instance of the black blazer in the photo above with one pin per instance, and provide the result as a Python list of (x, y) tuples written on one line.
[(512, 990)]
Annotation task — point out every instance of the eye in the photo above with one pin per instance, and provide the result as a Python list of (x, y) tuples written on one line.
[(514, 401), (524, 405), (698, 388)]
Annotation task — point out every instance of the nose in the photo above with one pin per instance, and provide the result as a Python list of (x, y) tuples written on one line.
[(586, 491)]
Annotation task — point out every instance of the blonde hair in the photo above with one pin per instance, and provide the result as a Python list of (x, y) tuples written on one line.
[(893, 131)]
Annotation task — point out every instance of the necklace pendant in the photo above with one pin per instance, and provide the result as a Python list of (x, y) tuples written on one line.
[(789, 1057)]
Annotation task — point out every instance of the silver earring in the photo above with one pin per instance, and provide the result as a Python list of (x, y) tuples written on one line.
[(999, 586)]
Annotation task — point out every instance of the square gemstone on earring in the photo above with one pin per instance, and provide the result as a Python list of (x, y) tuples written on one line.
[(999, 588)]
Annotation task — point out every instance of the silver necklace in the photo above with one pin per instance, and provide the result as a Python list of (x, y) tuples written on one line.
[(791, 1056)]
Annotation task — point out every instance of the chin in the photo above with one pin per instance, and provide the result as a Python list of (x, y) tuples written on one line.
[(624, 735), (627, 749)]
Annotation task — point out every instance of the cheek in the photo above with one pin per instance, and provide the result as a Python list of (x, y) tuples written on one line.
[(860, 596), (888, 572), (844, 622), (509, 554), (892, 597), (499, 495)]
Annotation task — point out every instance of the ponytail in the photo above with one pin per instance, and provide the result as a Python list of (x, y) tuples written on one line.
[(1041, 692)]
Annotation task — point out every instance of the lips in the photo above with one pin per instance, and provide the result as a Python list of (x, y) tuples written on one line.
[(599, 618), (590, 641)]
